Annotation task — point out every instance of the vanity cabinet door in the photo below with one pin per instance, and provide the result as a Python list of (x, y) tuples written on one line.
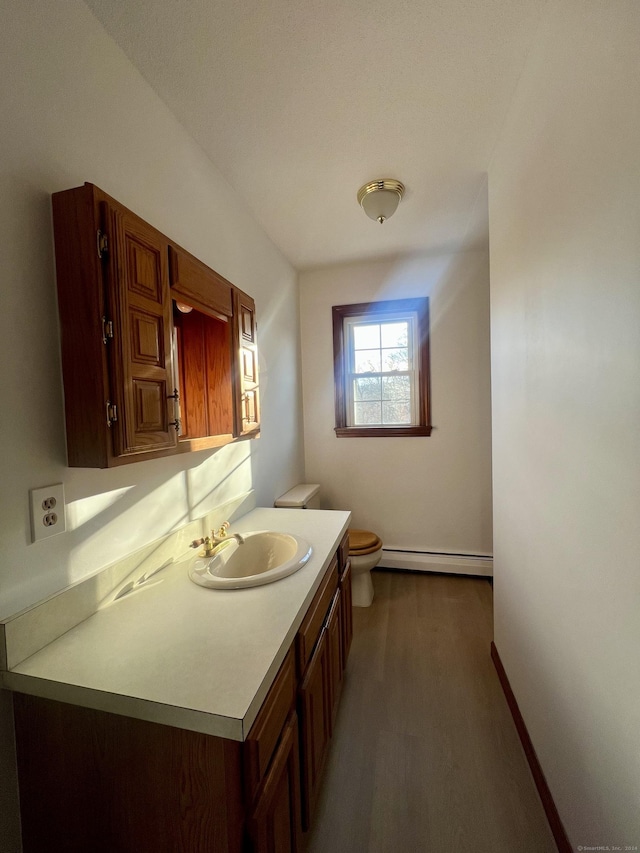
[(315, 722), (346, 613), (274, 825), (343, 552), (247, 401), (263, 738), (334, 639)]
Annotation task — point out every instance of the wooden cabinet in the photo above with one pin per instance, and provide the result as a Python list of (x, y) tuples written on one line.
[(321, 659), (141, 378), (274, 824), (315, 719), (346, 613), (105, 783), (91, 780), (272, 769), (262, 739), (334, 642)]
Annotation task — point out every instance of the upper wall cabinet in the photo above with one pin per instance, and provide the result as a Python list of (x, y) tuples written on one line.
[(158, 350)]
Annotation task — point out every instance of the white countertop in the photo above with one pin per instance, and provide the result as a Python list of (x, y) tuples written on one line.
[(177, 653)]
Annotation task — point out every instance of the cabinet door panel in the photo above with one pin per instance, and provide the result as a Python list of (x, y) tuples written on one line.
[(334, 639), (315, 726), (309, 630), (274, 825), (346, 613), (147, 343), (263, 737), (140, 308)]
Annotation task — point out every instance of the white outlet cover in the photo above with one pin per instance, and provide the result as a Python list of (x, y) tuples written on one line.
[(47, 512)]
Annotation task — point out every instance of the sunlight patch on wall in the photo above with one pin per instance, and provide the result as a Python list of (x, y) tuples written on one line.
[(116, 523), (81, 511), (220, 477)]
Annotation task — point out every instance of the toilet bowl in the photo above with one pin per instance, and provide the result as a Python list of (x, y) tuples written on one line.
[(365, 551), (365, 547)]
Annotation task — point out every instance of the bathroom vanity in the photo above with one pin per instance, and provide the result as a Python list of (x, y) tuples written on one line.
[(178, 718)]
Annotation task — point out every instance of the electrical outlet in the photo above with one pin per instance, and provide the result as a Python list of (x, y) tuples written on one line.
[(47, 512)]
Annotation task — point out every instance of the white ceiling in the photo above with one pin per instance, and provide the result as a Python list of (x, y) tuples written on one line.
[(300, 103)]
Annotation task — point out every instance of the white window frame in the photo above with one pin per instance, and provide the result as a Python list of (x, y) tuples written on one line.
[(411, 318)]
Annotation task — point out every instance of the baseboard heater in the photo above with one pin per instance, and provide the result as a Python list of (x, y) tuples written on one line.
[(437, 561)]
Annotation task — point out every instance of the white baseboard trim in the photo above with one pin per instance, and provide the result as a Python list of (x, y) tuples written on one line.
[(431, 561)]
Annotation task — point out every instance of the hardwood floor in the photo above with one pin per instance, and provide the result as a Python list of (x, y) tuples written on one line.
[(425, 757)]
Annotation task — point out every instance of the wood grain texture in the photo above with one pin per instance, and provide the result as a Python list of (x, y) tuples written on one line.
[(137, 285), (346, 617), (334, 639), (315, 726), (265, 732), (219, 385), (91, 781), (425, 756), (132, 371), (198, 285), (274, 826), (206, 388), (81, 306), (312, 624)]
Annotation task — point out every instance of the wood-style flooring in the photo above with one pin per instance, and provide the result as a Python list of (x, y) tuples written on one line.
[(425, 756)]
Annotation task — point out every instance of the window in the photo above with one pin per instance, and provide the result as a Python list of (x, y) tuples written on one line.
[(381, 368)]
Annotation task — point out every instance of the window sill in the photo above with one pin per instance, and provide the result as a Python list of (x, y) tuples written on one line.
[(382, 432)]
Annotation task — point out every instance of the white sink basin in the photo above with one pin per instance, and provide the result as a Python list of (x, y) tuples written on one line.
[(264, 557)]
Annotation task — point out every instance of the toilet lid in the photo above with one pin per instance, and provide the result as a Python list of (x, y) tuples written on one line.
[(363, 542)]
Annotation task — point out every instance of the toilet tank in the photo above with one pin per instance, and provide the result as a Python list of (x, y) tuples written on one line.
[(302, 496)]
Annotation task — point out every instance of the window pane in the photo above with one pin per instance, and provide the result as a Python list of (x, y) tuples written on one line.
[(395, 359), (367, 414), (396, 388), (395, 334), (396, 413), (367, 388), (367, 337), (367, 361)]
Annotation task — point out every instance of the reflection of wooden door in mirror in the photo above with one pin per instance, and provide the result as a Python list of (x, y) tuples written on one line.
[(205, 375), (247, 401)]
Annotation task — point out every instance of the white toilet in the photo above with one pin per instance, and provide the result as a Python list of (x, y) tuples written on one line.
[(365, 547)]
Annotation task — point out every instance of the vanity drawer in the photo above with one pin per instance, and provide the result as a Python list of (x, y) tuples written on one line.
[(309, 631), (265, 733)]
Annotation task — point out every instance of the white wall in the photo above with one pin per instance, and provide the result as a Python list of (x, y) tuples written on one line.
[(565, 323), (417, 493), (74, 109)]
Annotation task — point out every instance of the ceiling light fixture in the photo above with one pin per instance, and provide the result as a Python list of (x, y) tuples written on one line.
[(380, 199)]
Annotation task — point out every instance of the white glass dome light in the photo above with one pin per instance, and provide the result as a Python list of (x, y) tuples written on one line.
[(380, 199)]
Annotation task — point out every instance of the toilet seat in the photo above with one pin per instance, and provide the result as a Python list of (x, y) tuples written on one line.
[(362, 542)]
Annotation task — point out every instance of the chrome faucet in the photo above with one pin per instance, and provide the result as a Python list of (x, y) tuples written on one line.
[(212, 544)]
